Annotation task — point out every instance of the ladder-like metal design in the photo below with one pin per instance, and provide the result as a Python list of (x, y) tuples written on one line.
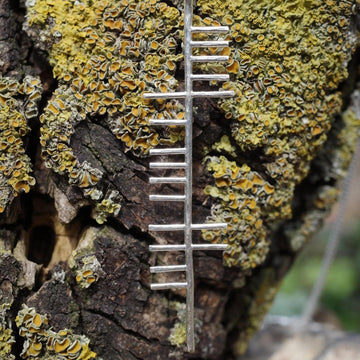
[(187, 227)]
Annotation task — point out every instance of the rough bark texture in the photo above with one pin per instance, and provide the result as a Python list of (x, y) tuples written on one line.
[(74, 241)]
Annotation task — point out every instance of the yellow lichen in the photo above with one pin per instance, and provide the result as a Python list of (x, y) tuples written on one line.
[(225, 145), (18, 104), (105, 55), (108, 54), (242, 195), (327, 195), (88, 270), (43, 343), (6, 342), (286, 63), (178, 332), (287, 60)]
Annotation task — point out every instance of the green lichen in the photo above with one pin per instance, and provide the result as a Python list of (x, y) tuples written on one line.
[(287, 61), (109, 205), (224, 145), (105, 55), (178, 332), (18, 105), (42, 343)]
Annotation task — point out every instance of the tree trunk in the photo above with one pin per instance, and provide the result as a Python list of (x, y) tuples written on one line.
[(74, 174)]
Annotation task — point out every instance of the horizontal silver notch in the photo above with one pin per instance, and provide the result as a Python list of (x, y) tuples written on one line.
[(209, 77), (175, 95), (167, 122), (209, 226), (167, 180), (168, 165), (155, 248), (216, 43), (167, 197), (167, 268), (209, 29), (176, 227), (166, 227), (212, 94), (167, 151), (171, 95), (209, 58), (166, 286), (209, 246)]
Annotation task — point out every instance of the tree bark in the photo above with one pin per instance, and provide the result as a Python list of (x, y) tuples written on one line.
[(74, 169)]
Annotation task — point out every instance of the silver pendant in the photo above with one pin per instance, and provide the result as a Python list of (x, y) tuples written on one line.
[(187, 226)]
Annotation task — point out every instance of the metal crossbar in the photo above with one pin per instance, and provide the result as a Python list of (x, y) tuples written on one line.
[(187, 227)]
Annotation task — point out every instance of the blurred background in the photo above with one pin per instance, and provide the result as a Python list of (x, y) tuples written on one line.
[(340, 300)]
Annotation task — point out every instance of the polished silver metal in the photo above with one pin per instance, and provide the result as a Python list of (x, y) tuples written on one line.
[(187, 226), (210, 77), (172, 247), (204, 247), (168, 165), (167, 286), (167, 268), (167, 180), (181, 227), (166, 227), (167, 122), (212, 94), (216, 43), (209, 226), (166, 95), (168, 151), (193, 94), (209, 29), (209, 247), (167, 197), (208, 58)]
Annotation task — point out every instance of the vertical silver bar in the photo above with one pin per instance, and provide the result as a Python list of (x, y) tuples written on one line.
[(190, 336)]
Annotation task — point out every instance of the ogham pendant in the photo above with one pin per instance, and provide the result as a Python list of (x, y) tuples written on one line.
[(187, 226)]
